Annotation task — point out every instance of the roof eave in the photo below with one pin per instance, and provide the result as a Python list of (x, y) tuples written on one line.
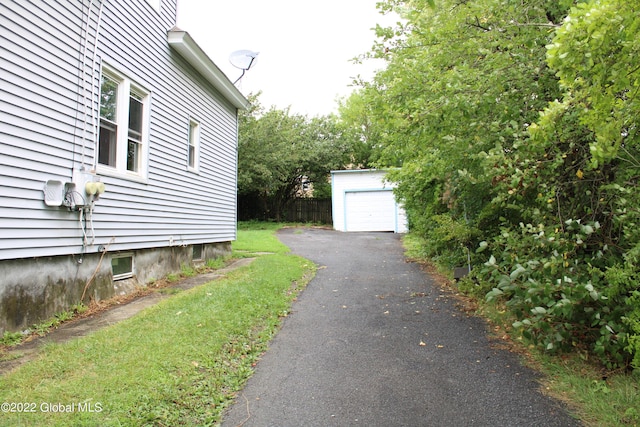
[(184, 44)]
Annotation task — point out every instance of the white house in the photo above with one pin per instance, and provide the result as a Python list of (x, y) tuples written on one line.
[(118, 158), (363, 201)]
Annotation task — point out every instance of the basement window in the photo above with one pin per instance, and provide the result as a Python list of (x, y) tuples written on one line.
[(122, 266), (197, 252)]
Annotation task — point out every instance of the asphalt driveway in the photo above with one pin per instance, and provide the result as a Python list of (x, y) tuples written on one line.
[(373, 342)]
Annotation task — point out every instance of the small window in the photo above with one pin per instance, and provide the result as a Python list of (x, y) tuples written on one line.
[(194, 142), (122, 266), (197, 252), (124, 108)]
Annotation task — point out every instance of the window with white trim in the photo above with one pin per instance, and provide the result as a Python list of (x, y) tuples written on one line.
[(122, 266), (194, 145), (124, 109)]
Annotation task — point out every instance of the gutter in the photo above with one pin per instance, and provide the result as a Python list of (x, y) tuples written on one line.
[(184, 44)]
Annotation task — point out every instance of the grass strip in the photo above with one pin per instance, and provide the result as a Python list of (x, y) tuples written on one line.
[(258, 237), (177, 363), (601, 398)]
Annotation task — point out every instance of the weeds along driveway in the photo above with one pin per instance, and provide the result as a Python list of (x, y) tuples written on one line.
[(373, 341)]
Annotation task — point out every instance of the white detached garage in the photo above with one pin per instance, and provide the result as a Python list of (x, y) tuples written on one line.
[(363, 201)]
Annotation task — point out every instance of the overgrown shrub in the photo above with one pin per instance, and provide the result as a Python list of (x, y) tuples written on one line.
[(561, 299)]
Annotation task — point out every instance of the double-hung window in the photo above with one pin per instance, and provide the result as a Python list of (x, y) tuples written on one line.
[(134, 141), (194, 143), (124, 109)]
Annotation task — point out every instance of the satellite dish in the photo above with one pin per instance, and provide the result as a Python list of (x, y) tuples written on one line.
[(242, 59)]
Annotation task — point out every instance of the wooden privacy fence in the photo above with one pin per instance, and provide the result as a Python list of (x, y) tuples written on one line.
[(298, 210), (309, 210)]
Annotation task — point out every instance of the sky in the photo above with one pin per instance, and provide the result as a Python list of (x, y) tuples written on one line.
[(304, 47)]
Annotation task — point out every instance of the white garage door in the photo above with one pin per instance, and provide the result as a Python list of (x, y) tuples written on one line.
[(370, 211)]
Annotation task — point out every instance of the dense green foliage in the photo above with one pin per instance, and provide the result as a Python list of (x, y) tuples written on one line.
[(462, 79), (360, 127), (516, 127), (577, 184)]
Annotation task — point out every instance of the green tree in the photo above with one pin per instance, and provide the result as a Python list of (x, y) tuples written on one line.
[(596, 55), (361, 128), (463, 78), (516, 127), (280, 152)]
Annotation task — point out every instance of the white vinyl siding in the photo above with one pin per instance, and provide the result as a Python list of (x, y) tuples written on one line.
[(39, 130), (46, 133)]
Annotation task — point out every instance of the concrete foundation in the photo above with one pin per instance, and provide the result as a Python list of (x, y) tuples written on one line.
[(36, 289)]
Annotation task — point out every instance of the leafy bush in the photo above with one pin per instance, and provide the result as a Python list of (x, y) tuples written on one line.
[(569, 269), (560, 299)]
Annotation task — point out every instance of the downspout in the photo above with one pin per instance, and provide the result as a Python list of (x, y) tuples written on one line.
[(95, 114), (235, 228), (89, 113)]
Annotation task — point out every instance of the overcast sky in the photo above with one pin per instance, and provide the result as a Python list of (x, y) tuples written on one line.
[(305, 47)]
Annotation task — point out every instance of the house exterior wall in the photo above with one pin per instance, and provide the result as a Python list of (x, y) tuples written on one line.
[(51, 59), (366, 184), (39, 103)]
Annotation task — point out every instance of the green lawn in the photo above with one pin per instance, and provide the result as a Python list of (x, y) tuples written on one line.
[(177, 363)]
